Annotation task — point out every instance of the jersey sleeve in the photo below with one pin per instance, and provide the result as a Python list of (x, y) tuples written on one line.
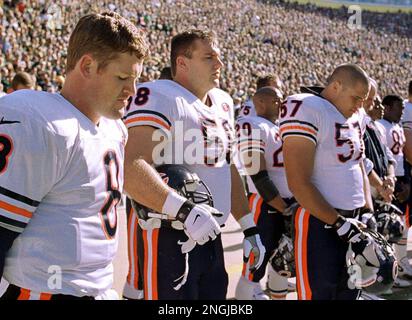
[(28, 166), (149, 107), (250, 137), (407, 118), (300, 119)]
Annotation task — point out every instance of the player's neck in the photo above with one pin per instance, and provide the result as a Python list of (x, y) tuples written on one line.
[(266, 117), (75, 98), (200, 93)]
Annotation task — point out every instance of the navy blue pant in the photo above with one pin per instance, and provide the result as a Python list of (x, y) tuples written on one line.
[(320, 257), (163, 266)]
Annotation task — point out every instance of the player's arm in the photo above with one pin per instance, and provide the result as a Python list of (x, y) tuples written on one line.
[(240, 210), (255, 166), (299, 174), (407, 149), (366, 187), (384, 191), (144, 185), (141, 181)]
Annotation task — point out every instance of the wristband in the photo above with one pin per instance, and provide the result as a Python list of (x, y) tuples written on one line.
[(247, 222), (339, 222), (173, 204)]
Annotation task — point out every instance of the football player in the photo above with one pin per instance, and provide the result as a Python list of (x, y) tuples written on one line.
[(407, 126), (395, 140), (61, 168), (322, 152), (268, 80), (187, 121), (260, 148), (382, 177)]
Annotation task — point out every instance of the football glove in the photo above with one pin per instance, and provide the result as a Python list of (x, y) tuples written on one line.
[(199, 222), (252, 242)]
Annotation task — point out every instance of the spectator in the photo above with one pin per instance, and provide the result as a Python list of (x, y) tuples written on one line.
[(22, 80)]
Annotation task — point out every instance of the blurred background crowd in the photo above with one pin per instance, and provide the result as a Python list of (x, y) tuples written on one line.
[(299, 43)]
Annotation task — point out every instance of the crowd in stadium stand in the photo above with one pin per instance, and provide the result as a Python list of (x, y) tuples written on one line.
[(300, 43)]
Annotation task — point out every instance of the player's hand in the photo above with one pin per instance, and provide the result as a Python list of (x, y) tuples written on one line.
[(252, 243), (386, 192), (199, 222), (348, 229)]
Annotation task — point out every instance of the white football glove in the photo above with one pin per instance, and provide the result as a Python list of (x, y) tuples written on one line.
[(252, 242), (199, 222)]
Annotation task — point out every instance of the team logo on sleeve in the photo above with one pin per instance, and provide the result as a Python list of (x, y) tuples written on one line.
[(225, 107)]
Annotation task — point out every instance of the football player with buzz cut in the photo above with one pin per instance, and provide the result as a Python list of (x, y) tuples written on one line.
[(61, 168), (322, 152), (260, 148), (188, 121)]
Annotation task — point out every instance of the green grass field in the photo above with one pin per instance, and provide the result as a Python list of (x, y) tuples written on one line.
[(370, 7)]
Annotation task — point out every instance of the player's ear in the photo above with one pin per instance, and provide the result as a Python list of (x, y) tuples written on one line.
[(337, 86), (181, 63), (87, 66)]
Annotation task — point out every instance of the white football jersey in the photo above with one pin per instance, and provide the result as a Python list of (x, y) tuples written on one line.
[(247, 109), (339, 147), (407, 116), (197, 136), (61, 177), (395, 140), (260, 135)]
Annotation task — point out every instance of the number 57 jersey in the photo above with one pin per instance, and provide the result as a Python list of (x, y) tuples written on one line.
[(339, 147), (61, 178)]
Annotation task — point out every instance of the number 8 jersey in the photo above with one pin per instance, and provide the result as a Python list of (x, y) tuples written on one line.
[(61, 178), (339, 147)]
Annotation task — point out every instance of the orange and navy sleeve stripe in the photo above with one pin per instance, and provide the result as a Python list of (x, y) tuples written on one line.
[(16, 210), (147, 118), (298, 128), (248, 144), (407, 125)]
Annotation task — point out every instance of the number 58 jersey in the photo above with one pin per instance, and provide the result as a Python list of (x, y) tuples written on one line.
[(60, 180), (196, 135), (339, 147)]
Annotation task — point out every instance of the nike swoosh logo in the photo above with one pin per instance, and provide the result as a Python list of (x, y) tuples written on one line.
[(2, 121), (197, 216)]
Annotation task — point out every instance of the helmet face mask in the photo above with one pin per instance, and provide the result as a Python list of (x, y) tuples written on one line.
[(196, 191), (389, 221), (283, 258)]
